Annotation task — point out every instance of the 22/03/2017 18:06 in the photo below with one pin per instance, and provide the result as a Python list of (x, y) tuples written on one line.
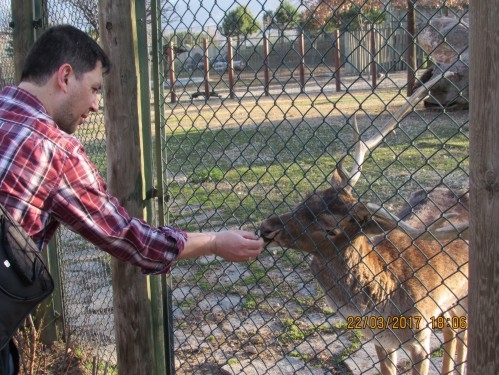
[(383, 322), (455, 322), (403, 322)]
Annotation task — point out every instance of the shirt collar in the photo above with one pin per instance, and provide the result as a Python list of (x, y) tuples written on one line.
[(25, 103)]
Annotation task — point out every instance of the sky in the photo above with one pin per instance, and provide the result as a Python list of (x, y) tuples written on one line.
[(196, 14)]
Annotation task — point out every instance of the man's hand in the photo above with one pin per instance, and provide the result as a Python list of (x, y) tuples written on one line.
[(237, 246), (233, 246)]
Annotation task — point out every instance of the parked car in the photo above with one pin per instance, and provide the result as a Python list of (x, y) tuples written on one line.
[(200, 65), (221, 65), (238, 65), (189, 65)]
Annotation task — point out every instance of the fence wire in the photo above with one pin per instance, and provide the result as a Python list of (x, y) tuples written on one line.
[(248, 146), (251, 136)]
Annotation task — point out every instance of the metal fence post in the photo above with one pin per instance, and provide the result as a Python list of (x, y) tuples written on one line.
[(154, 281), (160, 285), (53, 308)]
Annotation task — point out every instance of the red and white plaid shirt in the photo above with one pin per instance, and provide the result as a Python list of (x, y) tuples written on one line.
[(46, 179)]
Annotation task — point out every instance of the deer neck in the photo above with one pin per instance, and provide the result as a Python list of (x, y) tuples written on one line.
[(353, 276)]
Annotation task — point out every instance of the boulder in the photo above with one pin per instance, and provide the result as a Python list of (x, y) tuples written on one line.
[(446, 40)]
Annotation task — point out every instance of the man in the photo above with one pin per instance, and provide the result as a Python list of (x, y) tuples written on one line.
[(46, 179)]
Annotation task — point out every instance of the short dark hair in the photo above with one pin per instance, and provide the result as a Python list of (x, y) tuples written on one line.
[(63, 44)]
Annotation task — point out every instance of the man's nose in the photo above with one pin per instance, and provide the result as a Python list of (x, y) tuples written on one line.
[(94, 107)]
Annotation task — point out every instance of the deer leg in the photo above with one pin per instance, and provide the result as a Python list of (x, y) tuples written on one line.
[(462, 352), (450, 344), (420, 354), (455, 344), (387, 361)]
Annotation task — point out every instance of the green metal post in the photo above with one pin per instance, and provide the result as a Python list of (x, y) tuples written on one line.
[(164, 290), (28, 21), (154, 281), (40, 18), (53, 308)]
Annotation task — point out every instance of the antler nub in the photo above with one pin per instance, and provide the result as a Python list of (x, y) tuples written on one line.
[(435, 231)]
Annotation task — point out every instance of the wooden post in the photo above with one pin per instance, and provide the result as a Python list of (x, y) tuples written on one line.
[(171, 72), (411, 46), (206, 69), (302, 63), (337, 60), (483, 353), (22, 34), (124, 121), (373, 56), (230, 67), (266, 64)]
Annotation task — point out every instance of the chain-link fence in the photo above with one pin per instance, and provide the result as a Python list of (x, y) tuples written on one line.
[(7, 62), (250, 127), (232, 163)]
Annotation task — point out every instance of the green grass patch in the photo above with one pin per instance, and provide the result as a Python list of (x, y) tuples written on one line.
[(268, 168)]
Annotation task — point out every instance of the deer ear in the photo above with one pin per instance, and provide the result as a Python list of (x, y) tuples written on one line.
[(360, 213), (339, 181), (369, 224)]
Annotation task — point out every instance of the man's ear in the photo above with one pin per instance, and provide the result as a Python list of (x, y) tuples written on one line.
[(64, 74)]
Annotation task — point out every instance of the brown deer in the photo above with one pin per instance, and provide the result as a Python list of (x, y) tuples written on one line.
[(391, 277)]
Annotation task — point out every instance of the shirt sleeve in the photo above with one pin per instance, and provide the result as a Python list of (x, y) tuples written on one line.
[(82, 203)]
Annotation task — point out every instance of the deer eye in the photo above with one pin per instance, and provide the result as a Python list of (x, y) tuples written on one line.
[(333, 232)]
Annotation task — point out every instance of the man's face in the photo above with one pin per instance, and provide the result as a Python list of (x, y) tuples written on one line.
[(81, 98)]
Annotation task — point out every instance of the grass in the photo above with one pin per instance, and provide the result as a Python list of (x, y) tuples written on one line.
[(271, 153), (266, 167), (235, 162)]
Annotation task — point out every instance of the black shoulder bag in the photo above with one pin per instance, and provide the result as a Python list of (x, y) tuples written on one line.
[(24, 279)]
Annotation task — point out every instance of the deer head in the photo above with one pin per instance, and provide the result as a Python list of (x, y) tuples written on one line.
[(332, 216)]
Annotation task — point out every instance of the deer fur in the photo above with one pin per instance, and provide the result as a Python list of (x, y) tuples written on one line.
[(370, 267)]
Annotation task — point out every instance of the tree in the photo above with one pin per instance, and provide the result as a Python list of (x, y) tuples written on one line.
[(337, 14), (285, 17), (239, 22), (324, 13), (87, 9), (187, 38), (346, 15), (323, 10)]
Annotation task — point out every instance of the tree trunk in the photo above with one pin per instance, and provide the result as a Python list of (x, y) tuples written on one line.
[(483, 324), (22, 34), (411, 50), (126, 179)]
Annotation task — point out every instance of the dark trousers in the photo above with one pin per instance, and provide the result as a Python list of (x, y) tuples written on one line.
[(9, 360)]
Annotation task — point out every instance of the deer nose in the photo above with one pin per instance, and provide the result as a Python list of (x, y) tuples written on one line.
[(264, 232), (269, 229)]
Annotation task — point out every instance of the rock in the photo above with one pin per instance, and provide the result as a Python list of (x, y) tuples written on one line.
[(446, 40), (250, 349)]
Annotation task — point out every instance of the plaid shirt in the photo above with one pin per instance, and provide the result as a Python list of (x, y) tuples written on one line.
[(46, 179)]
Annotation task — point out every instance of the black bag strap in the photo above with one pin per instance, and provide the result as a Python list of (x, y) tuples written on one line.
[(16, 258), (24, 279)]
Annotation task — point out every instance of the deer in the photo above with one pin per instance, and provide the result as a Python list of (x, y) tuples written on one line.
[(393, 274)]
